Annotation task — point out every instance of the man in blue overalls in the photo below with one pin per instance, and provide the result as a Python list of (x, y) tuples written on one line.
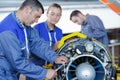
[(91, 25), (18, 40), (48, 29)]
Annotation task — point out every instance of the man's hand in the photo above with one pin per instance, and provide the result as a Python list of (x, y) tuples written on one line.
[(61, 60), (93, 39), (51, 74)]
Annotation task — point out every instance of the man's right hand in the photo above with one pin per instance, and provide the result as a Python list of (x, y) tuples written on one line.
[(51, 74)]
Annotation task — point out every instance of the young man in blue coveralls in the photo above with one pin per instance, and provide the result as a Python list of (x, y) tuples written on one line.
[(48, 29), (91, 25), (18, 39)]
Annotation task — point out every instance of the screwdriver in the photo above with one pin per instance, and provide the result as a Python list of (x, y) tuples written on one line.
[(59, 67), (57, 70)]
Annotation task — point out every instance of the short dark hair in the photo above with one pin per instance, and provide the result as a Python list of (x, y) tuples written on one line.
[(34, 4), (74, 13), (54, 5)]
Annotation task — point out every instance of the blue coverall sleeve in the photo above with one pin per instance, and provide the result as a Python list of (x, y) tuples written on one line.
[(12, 50), (41, 48), (97, 26)]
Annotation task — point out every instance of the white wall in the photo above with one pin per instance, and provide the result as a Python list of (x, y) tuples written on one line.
[(110, 19)]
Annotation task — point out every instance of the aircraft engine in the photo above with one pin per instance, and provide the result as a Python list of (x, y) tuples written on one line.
[(88, 60)]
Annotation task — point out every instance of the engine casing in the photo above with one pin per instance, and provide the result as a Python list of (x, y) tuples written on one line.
[(88, 60)]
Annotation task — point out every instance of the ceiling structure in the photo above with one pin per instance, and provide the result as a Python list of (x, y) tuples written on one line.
[(11, 5)]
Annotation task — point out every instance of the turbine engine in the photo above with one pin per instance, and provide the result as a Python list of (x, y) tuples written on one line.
[(88, 60)]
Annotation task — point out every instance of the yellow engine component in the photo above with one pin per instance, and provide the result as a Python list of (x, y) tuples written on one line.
[(72, 35)]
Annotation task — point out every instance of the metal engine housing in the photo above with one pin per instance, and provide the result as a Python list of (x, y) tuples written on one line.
[(88, 60)]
